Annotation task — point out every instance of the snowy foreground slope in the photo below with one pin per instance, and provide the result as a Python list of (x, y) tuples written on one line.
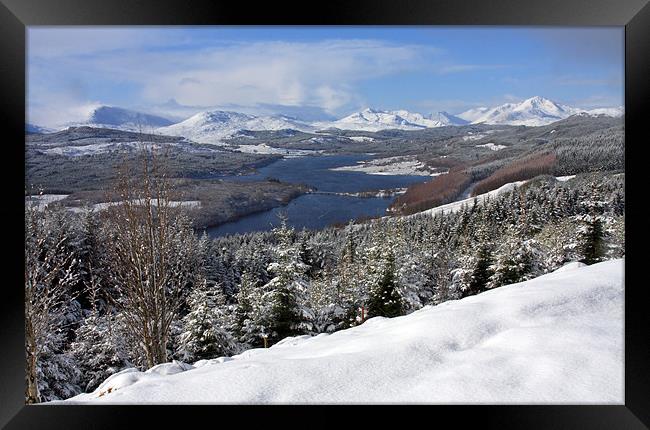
[(554, 339)]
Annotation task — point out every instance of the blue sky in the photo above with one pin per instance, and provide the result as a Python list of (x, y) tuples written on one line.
[(316, 72)]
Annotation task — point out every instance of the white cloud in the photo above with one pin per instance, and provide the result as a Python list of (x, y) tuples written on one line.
[(57, 109), (322, 73)]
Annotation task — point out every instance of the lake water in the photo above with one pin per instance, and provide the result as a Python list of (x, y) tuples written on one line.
[(315, 211)]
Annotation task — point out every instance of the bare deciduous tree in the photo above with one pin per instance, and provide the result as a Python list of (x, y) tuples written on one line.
[(152, 253)]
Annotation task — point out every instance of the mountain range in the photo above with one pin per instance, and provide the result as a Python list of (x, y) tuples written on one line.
[(535, 111), (211, 126)]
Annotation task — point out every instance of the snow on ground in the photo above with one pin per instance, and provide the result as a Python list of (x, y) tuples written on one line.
[(92, 149), (172, 203), (43, 200), (456, 206), (106, 205), (263, 148), (361, 138), (472, 136), (554, 339), (570, 266), (390, 166), (382, 193), (491, 146)]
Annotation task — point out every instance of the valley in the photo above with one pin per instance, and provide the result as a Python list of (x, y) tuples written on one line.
[(242, 178)]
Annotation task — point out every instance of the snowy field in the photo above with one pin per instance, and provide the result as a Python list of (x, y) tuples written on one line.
[(361, 138), (263, 148), (390, 166), (106, 205), (42, 200), (555, 339), (93, 149), (491, 146)]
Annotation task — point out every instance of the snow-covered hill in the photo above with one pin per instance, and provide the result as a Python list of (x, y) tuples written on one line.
[(120, 119), (534, 111), (554, 339), (212, 126)]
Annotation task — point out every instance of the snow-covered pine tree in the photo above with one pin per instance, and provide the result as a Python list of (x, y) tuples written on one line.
[(513, 263), (250, 316), (592, 232), (326, 304), (517, 257), (286, 292), (615, 229), (444, 287), (591, 238), (206, 328), (97, 351), (480, 264), (416, 279), (348, 281), (58, 373), (415, 267), (384, 298)]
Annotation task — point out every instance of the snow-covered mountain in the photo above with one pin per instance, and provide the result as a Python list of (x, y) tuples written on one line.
[(211, 126), (556, 338), (445, 118), (613, 112), (472, 115), (214, 125), (534, 111), (375, 120), (120, 119)]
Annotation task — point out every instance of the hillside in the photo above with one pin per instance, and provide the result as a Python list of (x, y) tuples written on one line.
[(554, 339)]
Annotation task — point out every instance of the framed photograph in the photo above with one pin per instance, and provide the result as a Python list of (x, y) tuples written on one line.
[(265, 212)]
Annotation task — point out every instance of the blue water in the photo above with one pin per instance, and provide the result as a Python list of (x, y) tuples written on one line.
[(315, 211)]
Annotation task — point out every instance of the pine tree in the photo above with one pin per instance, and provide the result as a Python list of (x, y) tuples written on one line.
[(481, 271), (444, 287), (384, 297), (97, 351), (328, 304), (250, 317), (206, 328), (285, 293), (515, 262), (349, 285), (591, 239), (58, 374)]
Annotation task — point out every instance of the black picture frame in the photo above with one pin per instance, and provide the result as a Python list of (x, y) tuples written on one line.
[(15, 15)]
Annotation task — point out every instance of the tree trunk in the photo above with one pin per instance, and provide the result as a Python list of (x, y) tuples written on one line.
[(31, 394)]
